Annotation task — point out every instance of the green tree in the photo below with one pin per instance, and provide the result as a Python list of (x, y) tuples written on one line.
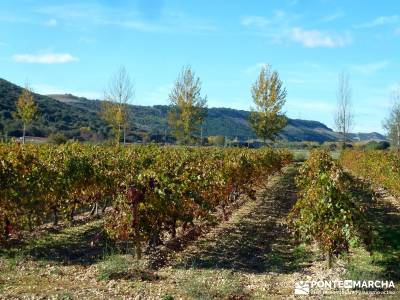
[(187, 107), (115, 107), (392, 123), (26, 109), (269, 96), (217, 140)]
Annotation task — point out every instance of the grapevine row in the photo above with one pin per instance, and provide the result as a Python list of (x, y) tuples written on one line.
[(151, 189), (326, 211), (381, 167)]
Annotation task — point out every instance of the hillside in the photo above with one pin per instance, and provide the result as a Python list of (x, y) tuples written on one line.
[(54, 116), (68, 113)]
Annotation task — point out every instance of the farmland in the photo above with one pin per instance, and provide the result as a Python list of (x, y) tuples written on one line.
[(150, 222)]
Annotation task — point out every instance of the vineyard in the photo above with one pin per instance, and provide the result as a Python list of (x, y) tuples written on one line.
[(270, 220), (381, 168), (151, 190)]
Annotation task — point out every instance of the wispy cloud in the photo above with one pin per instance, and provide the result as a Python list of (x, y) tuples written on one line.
[(254, 21), (397, 31), (316, 38), (380, 21), (335, 16), (51, 58), (279, 28), (92, 14), (370, 68), (51, 23)]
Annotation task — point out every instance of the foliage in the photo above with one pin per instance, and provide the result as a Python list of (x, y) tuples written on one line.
[(374, 145), (217, 140), (151, 189), (53, 115), (188, 107), (26, 108), (113, 114), (325, 211), (68, 114), (392, 123), (57, 138), (114, 110), (381, 167), (269, 96)]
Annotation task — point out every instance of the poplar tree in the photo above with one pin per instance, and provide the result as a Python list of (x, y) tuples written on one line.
[(188, 107), (269, 96), (26, 108)]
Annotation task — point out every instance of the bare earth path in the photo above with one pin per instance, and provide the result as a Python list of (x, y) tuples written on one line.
[(255, 240)]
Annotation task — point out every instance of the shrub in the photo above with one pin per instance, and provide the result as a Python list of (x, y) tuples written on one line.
[(57, 138), (325, 211), (381, 167)]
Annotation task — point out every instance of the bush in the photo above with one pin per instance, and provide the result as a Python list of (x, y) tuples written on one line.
[(331, 146), (381, 167), (57, 138), (325, 211), (373, 145)]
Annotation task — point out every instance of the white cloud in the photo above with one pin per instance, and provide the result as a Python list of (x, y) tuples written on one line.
[(279, 29), (370, 68), (316, 38), (254, 21), (51, 23), (379, 21), (337, 15), (83, 14), (51, 58), (276, 21)]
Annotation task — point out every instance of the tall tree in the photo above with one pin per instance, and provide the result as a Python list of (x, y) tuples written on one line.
[(117, 96), (187, 107), (392, 123), (26, 108), (269, 97), (344, 118)]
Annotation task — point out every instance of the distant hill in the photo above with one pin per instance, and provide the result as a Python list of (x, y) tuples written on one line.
[(68, 114), (54, 116)]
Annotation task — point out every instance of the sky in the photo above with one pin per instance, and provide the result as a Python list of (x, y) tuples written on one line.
[(76, 46)]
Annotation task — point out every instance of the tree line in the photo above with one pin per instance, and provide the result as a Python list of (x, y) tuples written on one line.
[(188, 107)]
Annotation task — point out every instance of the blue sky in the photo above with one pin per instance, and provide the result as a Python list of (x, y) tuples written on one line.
[(75, 46)]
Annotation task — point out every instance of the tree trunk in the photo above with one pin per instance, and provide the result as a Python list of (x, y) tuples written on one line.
[(137, 232), (30, 221), (398, 136), (55, 216), (173, 228), (23, 133), (105, 205), (71, 216), (124, 135), (95, 209), (330, 259)]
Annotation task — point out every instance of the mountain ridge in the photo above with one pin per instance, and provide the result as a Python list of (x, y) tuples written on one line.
[(68, 113)]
